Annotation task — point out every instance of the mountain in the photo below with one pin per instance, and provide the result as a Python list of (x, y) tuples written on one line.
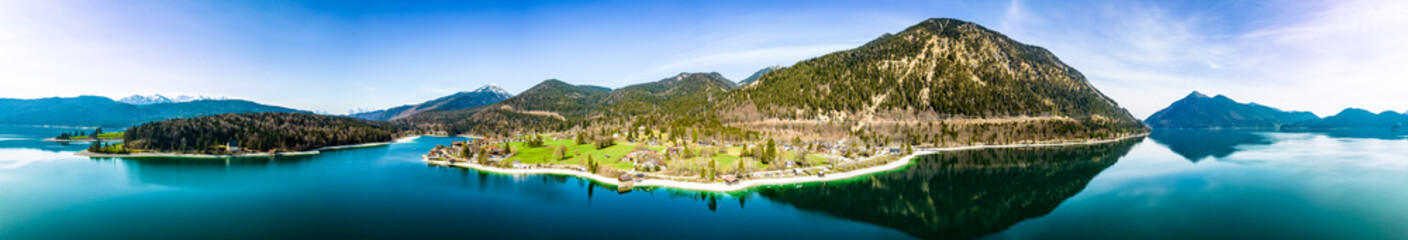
[(555, 98), (756, 75), (102, 111), (483, 96), (685, 94), (940, 82), (1198, 111), (1353, 118), (141, 100), (158, 98), (555, 105), (550, 104)]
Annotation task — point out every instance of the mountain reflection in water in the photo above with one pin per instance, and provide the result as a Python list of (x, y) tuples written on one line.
[(1196, 145), (962, 194)]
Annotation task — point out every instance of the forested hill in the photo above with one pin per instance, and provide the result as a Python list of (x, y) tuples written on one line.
[(942, 72), (557, 97), (686, 94), (462, 100), (255, 132), (102, 111)]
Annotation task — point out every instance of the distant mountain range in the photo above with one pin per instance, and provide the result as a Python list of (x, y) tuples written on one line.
[(554, 104), (1355, 118), (158, 98), (1198, 111), (102, 111), (544, 106), (483, 96), (943, 81)]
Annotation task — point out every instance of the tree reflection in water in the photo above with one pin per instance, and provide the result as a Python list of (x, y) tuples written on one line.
[(960, 195)]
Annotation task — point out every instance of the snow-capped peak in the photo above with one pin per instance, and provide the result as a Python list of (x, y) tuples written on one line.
[(158, 98), (493, 88)]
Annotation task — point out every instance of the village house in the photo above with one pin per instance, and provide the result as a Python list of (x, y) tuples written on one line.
[(730, 179), (233, 145)]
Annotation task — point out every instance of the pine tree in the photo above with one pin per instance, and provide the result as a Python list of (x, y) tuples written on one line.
[(483, 157), (713, 168), (591, 164), (741, 167), (769, 152)]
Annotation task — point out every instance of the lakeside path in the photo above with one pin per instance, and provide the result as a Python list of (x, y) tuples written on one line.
[(745, 184), (85, 153)]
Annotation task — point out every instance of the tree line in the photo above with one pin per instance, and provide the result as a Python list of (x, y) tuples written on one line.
[(257, 132)]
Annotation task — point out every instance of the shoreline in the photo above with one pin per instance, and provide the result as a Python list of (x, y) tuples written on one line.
[(746, 184), (80, 140), (85, 153)]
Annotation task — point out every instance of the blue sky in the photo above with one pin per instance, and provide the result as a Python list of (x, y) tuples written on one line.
[(333, 56)]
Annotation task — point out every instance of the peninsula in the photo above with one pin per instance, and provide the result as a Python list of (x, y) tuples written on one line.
[(85, 136), (712, 178), (246, 135), (940, 85)]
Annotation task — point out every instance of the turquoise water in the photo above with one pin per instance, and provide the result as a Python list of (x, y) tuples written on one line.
[(1173, 185)]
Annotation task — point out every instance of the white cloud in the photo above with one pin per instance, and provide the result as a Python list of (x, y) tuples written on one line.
[(73, 49), (1146, 55), (1351, 54)]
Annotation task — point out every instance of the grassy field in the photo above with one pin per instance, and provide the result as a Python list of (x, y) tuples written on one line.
[(577, 155), (106, 136), (115, 148), (731, 155)]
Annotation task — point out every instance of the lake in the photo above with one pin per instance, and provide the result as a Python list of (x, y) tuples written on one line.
[(1171, 185)]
